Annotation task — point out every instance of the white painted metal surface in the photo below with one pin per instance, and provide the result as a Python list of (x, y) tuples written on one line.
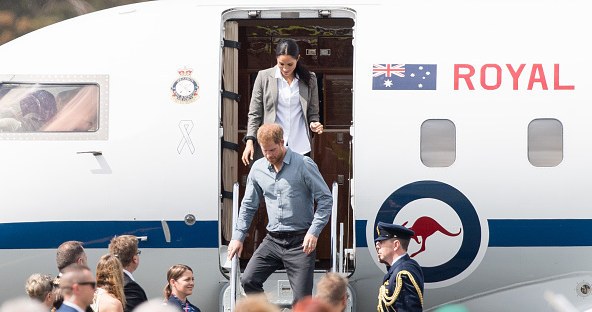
[(155, 175)]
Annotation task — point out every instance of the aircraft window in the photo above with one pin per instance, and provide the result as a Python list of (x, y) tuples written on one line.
[(34, 108), (545, 142), (438, 143)]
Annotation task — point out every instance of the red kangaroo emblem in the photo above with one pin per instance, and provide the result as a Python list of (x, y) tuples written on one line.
[(426, 227)]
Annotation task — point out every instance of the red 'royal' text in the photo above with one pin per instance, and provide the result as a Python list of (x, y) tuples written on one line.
[(463, 75)]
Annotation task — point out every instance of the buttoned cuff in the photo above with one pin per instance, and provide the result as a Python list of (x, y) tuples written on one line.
[(239, 236), (314, 231)]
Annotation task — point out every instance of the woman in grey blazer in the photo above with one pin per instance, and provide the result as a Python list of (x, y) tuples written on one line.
[(275, 100)]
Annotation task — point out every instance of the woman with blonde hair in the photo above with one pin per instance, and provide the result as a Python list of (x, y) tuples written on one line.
[(39, 287), (180, 283), (109, 296)]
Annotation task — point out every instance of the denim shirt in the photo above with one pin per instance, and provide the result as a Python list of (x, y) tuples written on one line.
[(289, 196)]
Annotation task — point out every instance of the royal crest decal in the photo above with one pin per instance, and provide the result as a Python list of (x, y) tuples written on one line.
[(185, 88)]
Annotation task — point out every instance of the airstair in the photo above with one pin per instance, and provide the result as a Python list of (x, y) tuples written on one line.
[(277, 287)]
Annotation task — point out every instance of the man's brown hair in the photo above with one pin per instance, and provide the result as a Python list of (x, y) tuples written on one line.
[(69, 252), (332, 288), (255, 303), (270, 133), (124, 247), (404, 243)]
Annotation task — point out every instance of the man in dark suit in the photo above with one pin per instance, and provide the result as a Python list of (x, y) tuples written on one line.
[(402, 286), (68, 253), (78, 287), (125, 247)]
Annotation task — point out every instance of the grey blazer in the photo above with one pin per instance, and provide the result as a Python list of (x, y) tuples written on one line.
[(262, 109)]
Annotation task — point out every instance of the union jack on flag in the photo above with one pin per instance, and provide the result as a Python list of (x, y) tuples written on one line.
[(404, 76), (388, 69)]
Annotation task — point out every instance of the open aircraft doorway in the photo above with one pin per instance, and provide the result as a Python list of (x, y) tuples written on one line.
[(325, 39)]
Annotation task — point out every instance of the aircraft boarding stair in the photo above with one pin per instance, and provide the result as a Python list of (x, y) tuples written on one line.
[(277, 287)]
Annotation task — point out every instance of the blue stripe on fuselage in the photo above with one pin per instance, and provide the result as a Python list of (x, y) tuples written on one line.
[(97, 234), (539, 233), (204, 234)]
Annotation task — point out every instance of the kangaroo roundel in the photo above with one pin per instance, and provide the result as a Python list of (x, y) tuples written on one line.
[(449, 239), (424, 227)]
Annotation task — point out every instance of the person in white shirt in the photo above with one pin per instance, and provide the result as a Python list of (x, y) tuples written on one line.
[(286, 94)]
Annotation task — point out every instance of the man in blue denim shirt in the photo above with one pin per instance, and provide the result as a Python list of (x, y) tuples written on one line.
[(290, 184)]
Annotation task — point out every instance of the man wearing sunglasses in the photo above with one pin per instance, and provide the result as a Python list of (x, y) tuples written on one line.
[(78, 286)]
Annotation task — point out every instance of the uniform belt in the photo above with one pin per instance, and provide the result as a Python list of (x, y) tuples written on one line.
[(287, 234)]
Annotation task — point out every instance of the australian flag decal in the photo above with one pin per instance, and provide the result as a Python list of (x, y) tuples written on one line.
[(404, 76)]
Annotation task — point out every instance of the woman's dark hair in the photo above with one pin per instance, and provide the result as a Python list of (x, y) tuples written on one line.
[(290, 47), (174, 273)]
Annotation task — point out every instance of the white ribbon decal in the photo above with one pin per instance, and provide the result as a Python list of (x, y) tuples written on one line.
[(186, 126)]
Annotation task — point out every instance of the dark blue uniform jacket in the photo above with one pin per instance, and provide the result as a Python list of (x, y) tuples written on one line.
[(402, 287)]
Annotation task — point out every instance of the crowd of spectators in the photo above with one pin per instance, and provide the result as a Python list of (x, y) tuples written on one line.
[(113, 289)]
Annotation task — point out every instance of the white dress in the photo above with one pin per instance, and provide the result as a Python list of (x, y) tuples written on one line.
[(95, 304)]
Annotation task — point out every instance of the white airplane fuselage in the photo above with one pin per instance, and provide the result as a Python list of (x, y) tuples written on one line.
[(500, 213)]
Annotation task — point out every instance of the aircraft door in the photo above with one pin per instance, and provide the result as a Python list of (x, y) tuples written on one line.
[(326, 49)]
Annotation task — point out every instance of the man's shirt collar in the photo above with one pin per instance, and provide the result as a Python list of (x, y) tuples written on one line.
[(72, 305), (129, 274), (286, 160), (396, 259)]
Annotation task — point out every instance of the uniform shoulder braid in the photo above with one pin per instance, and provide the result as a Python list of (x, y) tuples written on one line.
[(386, 302)]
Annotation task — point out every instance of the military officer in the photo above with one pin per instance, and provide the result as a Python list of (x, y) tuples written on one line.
[(402, 287)]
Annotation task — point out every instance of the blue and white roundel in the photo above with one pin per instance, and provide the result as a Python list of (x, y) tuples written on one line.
[(449, 236)]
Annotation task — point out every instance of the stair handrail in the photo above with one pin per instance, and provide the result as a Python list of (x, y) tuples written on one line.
[(341, 253), (234, 270), (334, 192)]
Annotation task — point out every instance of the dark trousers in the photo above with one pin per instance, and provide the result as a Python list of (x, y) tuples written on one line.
[(270, 255)]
